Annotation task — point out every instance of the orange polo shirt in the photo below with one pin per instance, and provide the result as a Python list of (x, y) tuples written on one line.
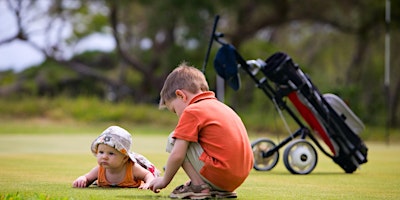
[(227, 157), (129, 180)]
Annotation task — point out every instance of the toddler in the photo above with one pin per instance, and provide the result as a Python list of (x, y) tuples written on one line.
[(117, 166)]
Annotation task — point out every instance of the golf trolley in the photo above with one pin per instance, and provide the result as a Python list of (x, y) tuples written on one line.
[(326, 114)]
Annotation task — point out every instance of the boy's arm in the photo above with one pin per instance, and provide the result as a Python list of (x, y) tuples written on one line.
[(87, 179), (174, 162)]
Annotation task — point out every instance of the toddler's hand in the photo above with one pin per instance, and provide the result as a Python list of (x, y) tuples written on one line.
[(144, 186), (80, 182)]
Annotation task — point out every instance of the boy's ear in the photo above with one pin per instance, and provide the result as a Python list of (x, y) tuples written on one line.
[(180, 94)]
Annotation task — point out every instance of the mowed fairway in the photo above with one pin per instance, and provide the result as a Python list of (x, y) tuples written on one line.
[(41, 166)]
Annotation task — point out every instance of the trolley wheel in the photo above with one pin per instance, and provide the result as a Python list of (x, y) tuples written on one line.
[(260, 147), (300, 157)]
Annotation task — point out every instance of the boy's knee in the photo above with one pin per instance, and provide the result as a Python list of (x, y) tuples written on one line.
[(170, 143)]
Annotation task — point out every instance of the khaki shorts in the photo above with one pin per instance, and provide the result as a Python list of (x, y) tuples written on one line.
[(192, 156)]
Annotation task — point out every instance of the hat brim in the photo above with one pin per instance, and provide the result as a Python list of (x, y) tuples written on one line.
[(144, 162), (225, 64)]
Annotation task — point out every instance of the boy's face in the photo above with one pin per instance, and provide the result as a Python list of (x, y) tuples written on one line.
[(180, 102), (176, 105), (109, 157)]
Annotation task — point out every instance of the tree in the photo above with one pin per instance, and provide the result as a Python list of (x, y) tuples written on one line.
[(337, 42), (55, 18), (164, 30)]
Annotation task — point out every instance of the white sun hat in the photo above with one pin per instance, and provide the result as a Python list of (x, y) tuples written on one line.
[(121, 140)]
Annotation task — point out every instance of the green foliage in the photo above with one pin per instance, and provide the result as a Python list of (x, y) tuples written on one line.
[(88, 18), (324, 39), (7, 78), (45, 79), (84, 109), (102, 61)]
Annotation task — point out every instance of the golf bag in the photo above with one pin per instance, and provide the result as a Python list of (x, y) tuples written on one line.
[(326, 115)]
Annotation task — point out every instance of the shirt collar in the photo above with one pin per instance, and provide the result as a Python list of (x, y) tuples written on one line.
[(203, 96)]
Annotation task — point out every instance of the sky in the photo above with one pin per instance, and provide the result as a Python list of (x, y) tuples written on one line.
[(18, 55)]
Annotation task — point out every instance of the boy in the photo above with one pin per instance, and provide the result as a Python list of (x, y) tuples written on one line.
[(209, 142), (117, 166)]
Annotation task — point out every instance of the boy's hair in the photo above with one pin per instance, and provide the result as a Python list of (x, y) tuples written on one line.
[(183, 77)]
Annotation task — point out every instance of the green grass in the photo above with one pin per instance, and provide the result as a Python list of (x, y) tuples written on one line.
[(45, 146), (43, 166)]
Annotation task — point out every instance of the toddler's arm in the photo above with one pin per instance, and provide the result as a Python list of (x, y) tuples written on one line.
[(147, 180), (142, 174), (87, 179)]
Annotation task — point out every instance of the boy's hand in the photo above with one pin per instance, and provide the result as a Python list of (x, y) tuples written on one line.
[(157, 184), (80, 182)]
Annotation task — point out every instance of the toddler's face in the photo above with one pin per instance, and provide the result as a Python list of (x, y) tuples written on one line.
[(109, 157)]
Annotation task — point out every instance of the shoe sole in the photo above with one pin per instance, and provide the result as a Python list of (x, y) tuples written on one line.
[(224, 195), (214, 194), (190, 195)]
